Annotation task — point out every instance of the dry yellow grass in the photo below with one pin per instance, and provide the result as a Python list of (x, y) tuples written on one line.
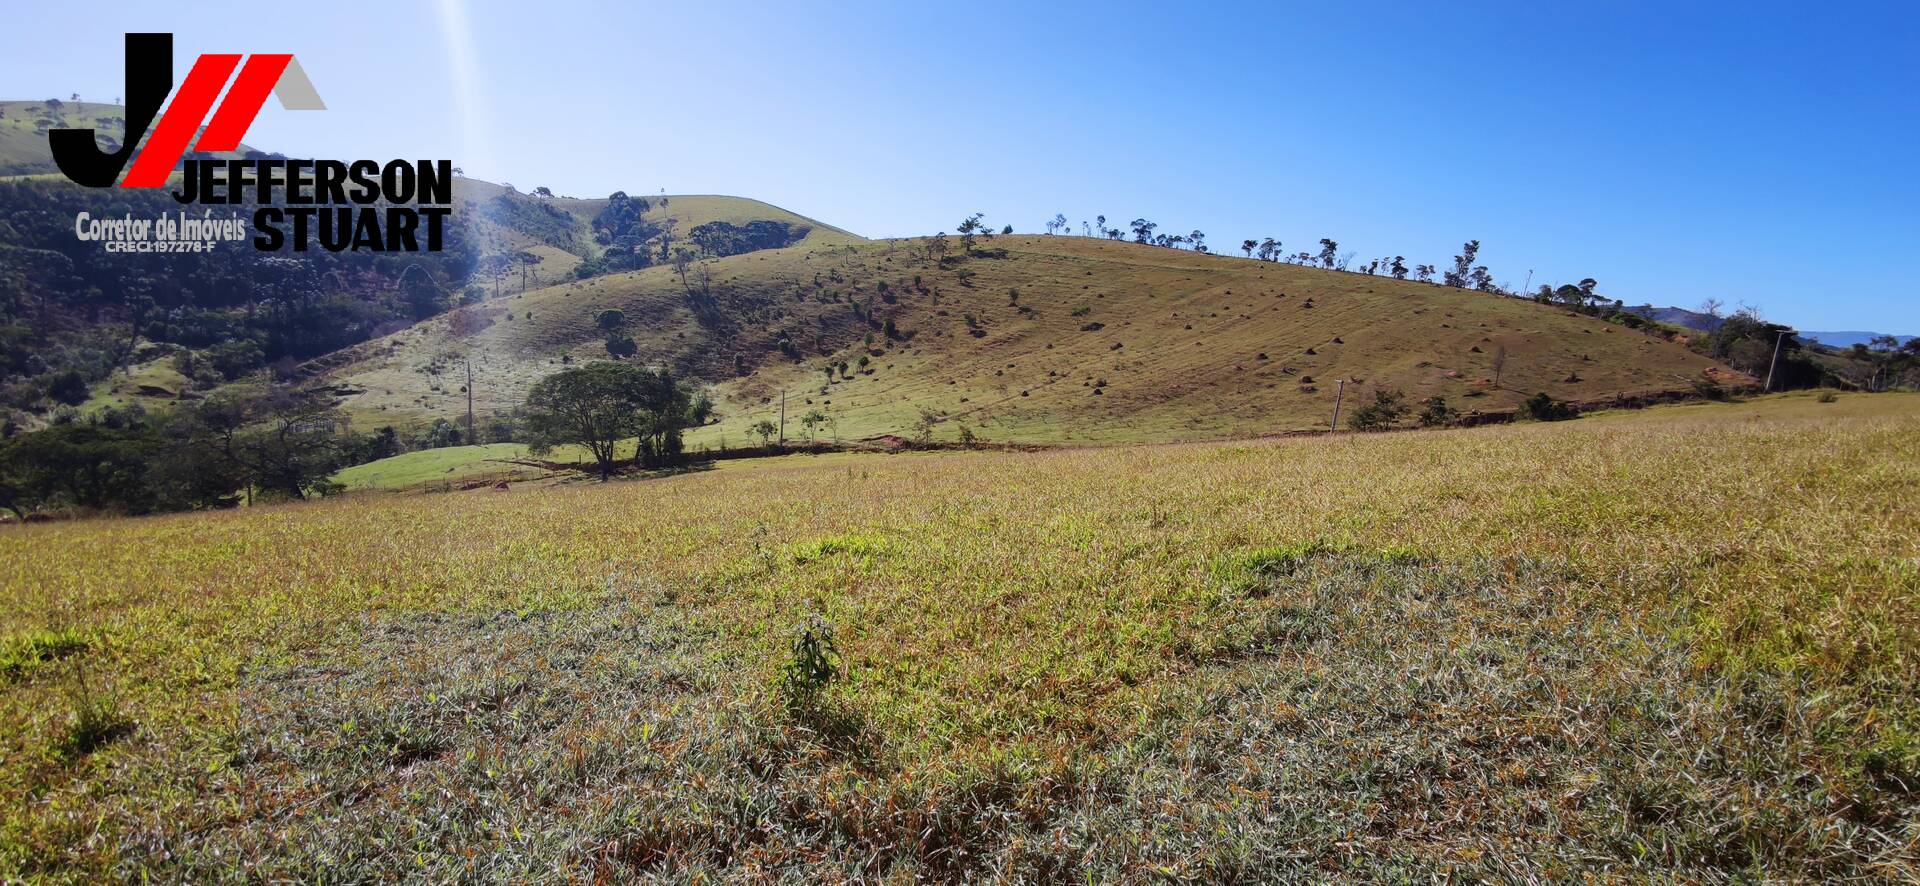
[(1703, 620), (1061, 340)]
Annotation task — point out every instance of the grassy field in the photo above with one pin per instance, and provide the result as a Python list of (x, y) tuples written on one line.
[(431, 467), (24, 126), (1060, 340), (1679, 641)]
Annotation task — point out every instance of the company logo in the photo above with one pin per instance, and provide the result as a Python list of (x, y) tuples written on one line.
[(335, 205), (149, 77)]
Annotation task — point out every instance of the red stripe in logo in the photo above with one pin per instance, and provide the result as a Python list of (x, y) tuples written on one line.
[(243, 102), (183, 115)]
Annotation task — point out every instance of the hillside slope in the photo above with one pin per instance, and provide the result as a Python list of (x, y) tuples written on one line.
[(1038, 339), (24, 150), (530, 241), (24, 126)]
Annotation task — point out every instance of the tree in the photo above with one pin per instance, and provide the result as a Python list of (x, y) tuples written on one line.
[(1543, 407), (602, 404), (1270, 249), (543, 191), (937, 246), (1142, 230), (765, 430), (422, 293), (84, 465), (438, 435), (1499, 362), (682, 260), (1435, 413), (611, 319), (1480, 278), (1388, 406), (1247, 246), (667, 227), (1423, 273), (1198, 239), (278, 439), (1058, 221), (1399, 267), (1329, 252), (811, 421), (1712, 307), (1463, 265), (970, 227)]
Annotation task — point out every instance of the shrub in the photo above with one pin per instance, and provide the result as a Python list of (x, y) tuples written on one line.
[(813, 663), (1436, 413), (1827, 397), (96, 717), (1709, 388), (1388, 406), (1543, 407)]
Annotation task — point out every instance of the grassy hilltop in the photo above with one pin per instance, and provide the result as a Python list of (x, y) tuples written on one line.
[(24, 126), (1669, 642), (1055, 339)]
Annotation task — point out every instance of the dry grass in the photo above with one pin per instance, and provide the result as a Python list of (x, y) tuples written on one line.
[(1672, 642), (1062, 340)]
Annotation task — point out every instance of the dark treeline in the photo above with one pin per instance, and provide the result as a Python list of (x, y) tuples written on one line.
[(239, 444), (279, 443)]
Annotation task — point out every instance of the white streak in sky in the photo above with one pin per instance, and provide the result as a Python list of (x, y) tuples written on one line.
[(475, 153)]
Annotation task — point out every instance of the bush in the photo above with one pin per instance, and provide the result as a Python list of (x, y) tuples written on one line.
[(1827, 397), (813, 664), (1708, 388), (1436, 413), (1542, 407), (96, 717), (1388, 406)]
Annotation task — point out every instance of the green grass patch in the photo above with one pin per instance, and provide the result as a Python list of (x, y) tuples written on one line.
[(859, 547), (22, 653), (450, 464)]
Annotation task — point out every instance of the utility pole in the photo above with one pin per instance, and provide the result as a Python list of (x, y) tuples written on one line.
[(783, 418), (1528, 286), (470, 438), (1776, 359), (1337, 397)]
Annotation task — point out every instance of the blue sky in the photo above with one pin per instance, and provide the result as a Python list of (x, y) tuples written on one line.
[(1755, 153)]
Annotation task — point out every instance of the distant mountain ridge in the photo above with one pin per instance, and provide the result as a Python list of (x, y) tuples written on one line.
[(1849, 338), (1704, 322), (1701, 321)]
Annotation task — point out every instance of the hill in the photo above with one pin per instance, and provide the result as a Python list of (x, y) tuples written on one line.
[(24, 151), (530, 240), (1681, 317), (1849, 338), (86, 329), (1703, 322), (1034, 339), (24, 126)]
